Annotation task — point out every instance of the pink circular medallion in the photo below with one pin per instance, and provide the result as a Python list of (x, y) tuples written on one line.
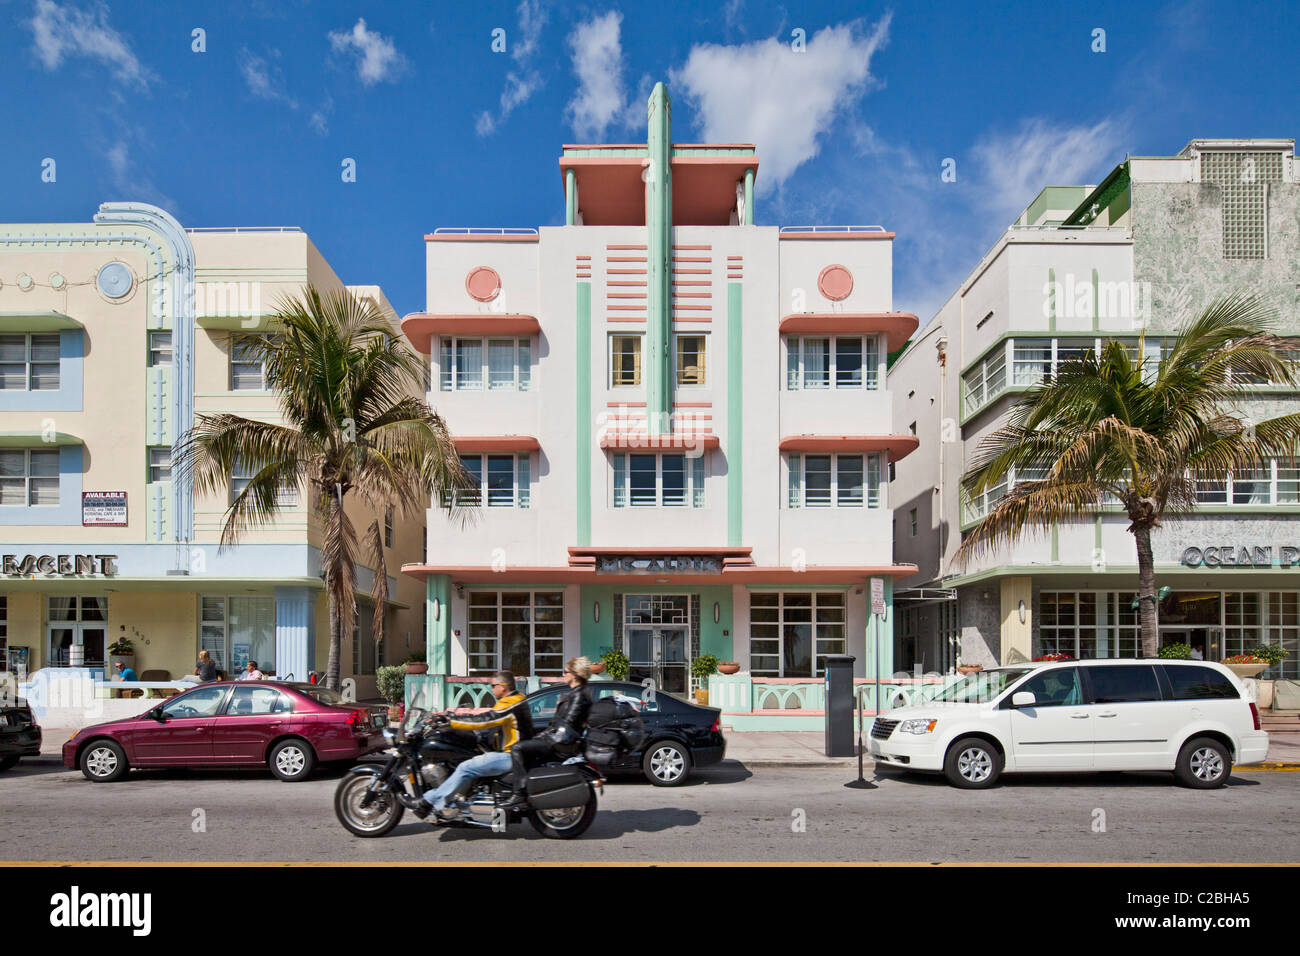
[(483, 283), (835, 282)]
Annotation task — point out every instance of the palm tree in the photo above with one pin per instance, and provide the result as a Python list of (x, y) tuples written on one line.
[(346, 386), (1109, 429)]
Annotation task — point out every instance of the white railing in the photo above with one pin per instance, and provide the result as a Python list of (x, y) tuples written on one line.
[(832, 229), (485, 231), (245, 229)]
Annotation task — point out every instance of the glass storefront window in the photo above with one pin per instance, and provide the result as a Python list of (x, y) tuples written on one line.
[(235, 630), (519, 631), (790, 633)]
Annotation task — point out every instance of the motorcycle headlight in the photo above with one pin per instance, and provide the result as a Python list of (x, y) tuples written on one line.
[(924, 725)]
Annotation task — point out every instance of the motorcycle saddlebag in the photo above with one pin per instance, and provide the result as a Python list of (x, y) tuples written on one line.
[(556, 788)]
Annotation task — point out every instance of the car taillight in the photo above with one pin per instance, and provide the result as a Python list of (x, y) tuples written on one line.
[(717, 724), (358, 718), (1254, 714)]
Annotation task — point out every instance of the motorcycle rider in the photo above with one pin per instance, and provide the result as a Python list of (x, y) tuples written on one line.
[(509, 722), (562, 736)]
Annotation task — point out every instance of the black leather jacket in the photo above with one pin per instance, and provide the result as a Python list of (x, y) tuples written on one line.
[(565, 728)]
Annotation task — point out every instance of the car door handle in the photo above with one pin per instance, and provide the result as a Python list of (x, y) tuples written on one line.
[(1079, 716), (1109, 713)]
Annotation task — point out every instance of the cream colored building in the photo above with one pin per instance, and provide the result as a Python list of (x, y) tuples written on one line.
[(114, 335)]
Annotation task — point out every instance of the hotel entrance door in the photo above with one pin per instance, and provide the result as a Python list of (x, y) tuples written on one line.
[(658, 653)]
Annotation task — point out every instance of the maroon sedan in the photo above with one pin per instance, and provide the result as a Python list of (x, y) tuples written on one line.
[(288, 727)]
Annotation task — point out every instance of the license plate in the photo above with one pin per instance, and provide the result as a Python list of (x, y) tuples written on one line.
[(378, 720)]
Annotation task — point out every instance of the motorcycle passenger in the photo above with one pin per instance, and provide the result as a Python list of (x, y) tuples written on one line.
[(562, 736), (510, 722)]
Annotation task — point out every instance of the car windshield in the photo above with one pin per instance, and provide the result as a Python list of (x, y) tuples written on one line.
[(323, 695), (981, 686)]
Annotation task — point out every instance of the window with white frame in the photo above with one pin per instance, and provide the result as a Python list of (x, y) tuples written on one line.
[(241, 476), (499, 481), (690, 350), (838, 361), (29, 361), (1276, 482), (364, 652), (833, 481), (29, 477), (985, 381), (235, 630), (625, 360), (247, 373), (791, 632), (518, 631), (1088, 625), (655, 480), (485, 364), (160, 464), (982, 504), (160, 349)]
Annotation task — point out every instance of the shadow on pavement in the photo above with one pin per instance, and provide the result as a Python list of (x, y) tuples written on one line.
[(608, 825)]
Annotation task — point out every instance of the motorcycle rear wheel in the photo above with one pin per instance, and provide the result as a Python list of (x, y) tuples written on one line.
[(381, 815), (565, 824)]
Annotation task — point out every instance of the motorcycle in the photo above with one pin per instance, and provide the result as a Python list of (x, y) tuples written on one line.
[(560, 798)]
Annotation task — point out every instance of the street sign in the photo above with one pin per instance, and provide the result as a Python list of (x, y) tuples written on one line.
[(878, 596)]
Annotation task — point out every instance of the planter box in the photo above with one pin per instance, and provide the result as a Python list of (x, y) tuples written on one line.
[(1247, 671)]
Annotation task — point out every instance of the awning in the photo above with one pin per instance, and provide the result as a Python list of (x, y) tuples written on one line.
[(37, 322), (896, 326), (421, 327), (731, 572), (237, 323), (472, 444), (37, 439), (897, 446)]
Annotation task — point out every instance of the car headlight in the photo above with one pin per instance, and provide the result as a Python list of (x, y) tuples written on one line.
[(923, 725)]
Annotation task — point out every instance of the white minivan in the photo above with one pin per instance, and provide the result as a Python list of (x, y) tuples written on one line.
[(1195, 718)]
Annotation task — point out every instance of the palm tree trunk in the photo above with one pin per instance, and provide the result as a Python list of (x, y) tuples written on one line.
[(332, 680), (1146, 592)]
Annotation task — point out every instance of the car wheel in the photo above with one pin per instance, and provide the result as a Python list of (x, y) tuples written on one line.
[(972, 764), (103, 761), (1203, 764), (666, 763), (7, 762), (292, 760)]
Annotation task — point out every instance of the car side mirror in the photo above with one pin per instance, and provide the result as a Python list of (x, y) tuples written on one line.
[(1023, 698), (158, 715)]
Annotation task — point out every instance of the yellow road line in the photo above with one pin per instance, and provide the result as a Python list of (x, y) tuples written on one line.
[(646, 863)]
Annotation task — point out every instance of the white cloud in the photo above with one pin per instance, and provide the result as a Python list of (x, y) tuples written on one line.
[(1013, 167), (378, 60), (130, 183), (781, 100), (263, 79), (597, 54), (522, 83), (60, 32)]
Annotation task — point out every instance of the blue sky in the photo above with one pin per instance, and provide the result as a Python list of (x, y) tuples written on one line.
[(447, 132)]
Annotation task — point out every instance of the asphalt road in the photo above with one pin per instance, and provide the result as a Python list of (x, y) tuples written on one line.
[(726, 813)]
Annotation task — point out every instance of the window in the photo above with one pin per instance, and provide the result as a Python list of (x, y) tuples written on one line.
[(1243, 179), (1058, 687), (1199, 683), (832, 362), (471, 365), (624, 360), (388, 526), (363, 638), (235, 630), (4, 633), (1276, 482), (254, 699), (500, 480), (29, 477), (911, 520), (203, 702), (790, 633), (246, 373), (985, 381), (1124, 684), (841, 481), (29, 362), (242, 475), (160, 349), (652, 480), (982, 504), (519, 631), (160, 464), (690, 360)]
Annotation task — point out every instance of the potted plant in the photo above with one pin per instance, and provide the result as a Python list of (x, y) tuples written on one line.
[(1245, 666), (702, 668), (728, 667), (1176, 652), (598, 667), (391, 683), (1273, 654), (121, 650), (1054, 657), (415, 663), (965, 669), (616, 664)]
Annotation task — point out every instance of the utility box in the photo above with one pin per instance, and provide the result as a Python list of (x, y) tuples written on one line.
[(839, 705)]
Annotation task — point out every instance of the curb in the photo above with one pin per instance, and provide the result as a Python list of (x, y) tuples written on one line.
[(1270, 766), (798, 762)]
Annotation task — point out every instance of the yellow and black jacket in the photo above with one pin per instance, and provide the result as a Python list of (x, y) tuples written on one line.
[(508, 722)]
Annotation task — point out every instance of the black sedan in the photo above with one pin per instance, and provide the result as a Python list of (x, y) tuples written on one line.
[(20, 735), (678, 735)]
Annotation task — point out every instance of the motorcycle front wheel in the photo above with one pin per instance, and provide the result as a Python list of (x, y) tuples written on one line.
[(567, 823), (363, 813)]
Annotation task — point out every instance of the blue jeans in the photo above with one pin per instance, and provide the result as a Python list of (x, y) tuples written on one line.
[(484, 765)]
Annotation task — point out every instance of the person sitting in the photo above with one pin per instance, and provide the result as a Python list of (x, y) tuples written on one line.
[(206, 669), (124, 672), (251, 672), (562, 736), (507, 724)]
